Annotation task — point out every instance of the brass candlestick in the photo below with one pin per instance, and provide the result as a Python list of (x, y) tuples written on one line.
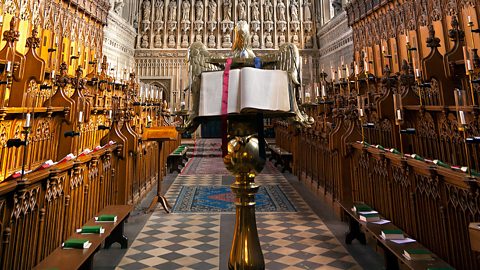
[(409, 53), (361, 116), (8, 83), (470, 24), (347, 79), (472, 89), (397, 105), (26, 132), (460, 102), (367, 80), (418, 79)]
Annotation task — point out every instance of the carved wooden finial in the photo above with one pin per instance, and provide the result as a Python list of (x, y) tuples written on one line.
[(33, 41), (455, 33), (432, 41), (12, 34), (62, 80)]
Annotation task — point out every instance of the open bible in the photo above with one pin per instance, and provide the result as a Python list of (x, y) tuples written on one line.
[(249, 90)]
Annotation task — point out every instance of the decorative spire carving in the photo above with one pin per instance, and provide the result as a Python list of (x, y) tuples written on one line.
[(12, 34), (63, 79), (455, 33), (432, 41), (33, 41)]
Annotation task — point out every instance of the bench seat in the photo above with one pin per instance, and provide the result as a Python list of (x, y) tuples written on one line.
[(281, 156), (69, 259), (177, 158), (393, 252)]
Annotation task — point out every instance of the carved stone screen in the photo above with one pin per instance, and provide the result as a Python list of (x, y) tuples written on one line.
[(175, 24)]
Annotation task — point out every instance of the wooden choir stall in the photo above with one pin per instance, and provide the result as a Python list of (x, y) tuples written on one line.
[(70, 129), (397, 127)]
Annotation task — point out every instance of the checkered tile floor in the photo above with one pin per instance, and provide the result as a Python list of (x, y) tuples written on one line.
[(290, 240)]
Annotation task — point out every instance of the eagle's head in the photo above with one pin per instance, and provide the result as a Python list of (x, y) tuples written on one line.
[(241, 43)]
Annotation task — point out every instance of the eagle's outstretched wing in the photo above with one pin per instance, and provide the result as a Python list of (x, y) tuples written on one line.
[(288, 58), (198, 62), (290, 61), (198, 59)]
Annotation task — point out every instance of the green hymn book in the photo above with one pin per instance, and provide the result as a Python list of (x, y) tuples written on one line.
[(91, 229), (369, 217), (417, 254), (76, 243), (392, 234), (106, 218), (361, 208)]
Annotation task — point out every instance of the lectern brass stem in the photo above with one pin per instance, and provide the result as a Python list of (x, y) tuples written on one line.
[(244, 161), (246, 252)]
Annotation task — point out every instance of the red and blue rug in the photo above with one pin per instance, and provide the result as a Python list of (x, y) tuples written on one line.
[(208, 199)]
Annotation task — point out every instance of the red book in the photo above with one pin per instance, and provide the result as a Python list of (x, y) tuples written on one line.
[(47, 164), (67, 158), (85, 152)]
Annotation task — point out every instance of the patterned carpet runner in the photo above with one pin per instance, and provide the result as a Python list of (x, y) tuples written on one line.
[(209, 199)]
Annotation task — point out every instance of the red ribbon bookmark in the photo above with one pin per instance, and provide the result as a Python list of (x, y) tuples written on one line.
[(226, 76)]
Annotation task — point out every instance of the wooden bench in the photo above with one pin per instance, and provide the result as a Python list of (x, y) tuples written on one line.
[(62, 258), (393, 252), (281, 157), (176, 158)]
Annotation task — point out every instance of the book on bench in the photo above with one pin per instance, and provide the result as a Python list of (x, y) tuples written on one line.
[(361, 207), (369, 217), (91, 230), (106, 218), (76, 243), (45, 165), (392, 234), (417, 254)]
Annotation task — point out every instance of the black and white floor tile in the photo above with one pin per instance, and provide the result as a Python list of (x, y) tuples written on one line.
[(290, 240)]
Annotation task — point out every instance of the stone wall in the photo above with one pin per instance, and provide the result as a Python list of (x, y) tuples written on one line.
[(335, 40), (118, 43)]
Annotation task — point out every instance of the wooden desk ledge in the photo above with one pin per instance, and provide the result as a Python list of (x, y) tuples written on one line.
[(83, 258), (393, 252)]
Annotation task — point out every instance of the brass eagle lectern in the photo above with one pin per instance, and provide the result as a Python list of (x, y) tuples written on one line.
[(242, 89)]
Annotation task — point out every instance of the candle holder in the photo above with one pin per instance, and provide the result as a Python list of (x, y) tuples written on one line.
[(410, 49), (347, 79), (8, 81), (367, 80), (19, 143), (460, 103), (418, 80), (356, 78), (398, 110), (475, 58), (386, 56), (26, 132), (470, 82), (74, 61), (361, 116)]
